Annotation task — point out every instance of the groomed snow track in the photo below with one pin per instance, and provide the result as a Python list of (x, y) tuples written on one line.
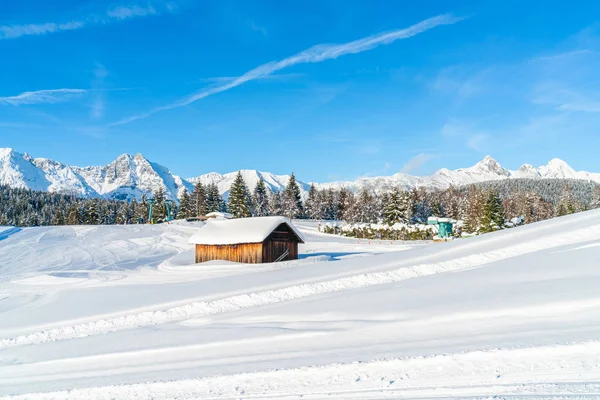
[(564, 371)]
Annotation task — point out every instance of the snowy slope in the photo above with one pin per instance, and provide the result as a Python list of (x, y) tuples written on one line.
[(121, 312)]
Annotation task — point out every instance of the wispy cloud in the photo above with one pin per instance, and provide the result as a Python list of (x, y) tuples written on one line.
[(119, 13), (315, 54), (478, 142), (257, 28), (123, 12), (97, 105), (416, 163), (15, 31), (274, 77), (42, 97)]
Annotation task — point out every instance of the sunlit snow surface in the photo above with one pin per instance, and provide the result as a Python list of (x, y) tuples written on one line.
[(122, 312)]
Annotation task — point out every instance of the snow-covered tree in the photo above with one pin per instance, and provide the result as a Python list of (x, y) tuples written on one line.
[(159, 208), (214, 200), (260, 199), (276, 204), (565, 205), (124, 215), (185, 206), (345, 201), (239, 202), (311, 207), (198, 201), (92, 213), (292, 200), (59, 218), (595, 203), (398, 207), (492, 217), (364, 209), (142, 210), (471, 210)]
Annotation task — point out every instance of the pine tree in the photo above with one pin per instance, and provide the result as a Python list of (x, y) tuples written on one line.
[(364, 209), (159, 208), (565, 204), (185, 205), (472, 209), (276, 204), (595, 203), (73, 215), (199, 201), (58, 219), (493, 214), (330, 205), (311, 206), (260, 199), (239, 203), (92, 213), (124, 214), (214, 200), (292, 200), (345, 203), (142, 210), (397, 208)]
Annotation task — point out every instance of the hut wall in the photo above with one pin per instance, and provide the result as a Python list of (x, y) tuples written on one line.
[(272, 249), (243, 253)]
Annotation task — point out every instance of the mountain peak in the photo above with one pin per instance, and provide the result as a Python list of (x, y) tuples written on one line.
[(557, 162), (490, 165), (5, 151)]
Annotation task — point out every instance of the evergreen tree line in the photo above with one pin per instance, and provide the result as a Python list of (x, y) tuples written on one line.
[(24, 207), (483, 207), (243, 202)]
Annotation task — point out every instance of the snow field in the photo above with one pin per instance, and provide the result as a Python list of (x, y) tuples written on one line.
[(250, 300), (514, 314), (520, 372)]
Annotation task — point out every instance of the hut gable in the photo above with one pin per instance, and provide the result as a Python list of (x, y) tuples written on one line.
[(248, 240)]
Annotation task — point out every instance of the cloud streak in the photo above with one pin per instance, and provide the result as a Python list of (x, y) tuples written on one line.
[(115, 14), (42, 97), (416, 163), (315, 54)]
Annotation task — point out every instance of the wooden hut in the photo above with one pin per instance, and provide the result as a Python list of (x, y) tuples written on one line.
[(247, 240)]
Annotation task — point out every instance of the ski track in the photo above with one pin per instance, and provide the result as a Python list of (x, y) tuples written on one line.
[(561, 371), (206, 308)]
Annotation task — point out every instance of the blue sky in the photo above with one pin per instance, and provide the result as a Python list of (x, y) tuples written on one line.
[(329, 89)]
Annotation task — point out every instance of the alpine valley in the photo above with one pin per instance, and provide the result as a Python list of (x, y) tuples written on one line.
[(132, 176)]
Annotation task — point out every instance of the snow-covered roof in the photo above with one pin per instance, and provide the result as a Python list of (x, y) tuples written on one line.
[(218, 214), (241, 230)]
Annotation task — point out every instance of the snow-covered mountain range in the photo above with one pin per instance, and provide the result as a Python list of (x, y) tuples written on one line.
[(487, 169), (131, 176), (126, 177)]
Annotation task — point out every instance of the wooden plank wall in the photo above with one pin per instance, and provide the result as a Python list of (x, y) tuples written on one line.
[(244, 253), (272, 249)]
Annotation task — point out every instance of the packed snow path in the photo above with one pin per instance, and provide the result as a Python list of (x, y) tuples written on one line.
[(515, 313)]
